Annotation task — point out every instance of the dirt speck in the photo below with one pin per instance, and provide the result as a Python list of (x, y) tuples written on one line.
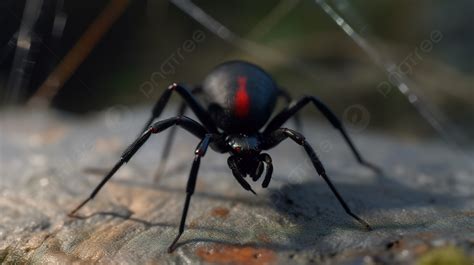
[(48, 136), (264, 238), (220, 212), (108, 145), (469, 213), (397, 244), (236, 255), (193, 224), (421, 249)]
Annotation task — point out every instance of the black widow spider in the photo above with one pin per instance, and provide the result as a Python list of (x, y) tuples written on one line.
[(239, 99)]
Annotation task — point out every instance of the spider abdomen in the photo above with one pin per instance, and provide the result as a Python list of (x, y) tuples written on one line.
[(240, 96)]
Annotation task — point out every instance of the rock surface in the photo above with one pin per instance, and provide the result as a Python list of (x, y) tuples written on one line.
[(422, 209)]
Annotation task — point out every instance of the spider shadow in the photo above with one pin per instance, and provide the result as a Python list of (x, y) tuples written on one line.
[(129, 217), (157, 186), (124, 216), (318, 216), (312, 208)]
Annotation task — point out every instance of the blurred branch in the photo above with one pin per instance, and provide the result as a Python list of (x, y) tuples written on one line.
[(265, 53), (430, 113), (22, 62), (272, 18), (81, 50), (268, 22), (9, 48)]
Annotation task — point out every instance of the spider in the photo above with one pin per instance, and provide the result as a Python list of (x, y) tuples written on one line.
[(239, 100)]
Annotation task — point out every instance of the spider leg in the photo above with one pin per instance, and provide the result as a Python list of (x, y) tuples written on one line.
[(268, 175), (238, 175), (185, 122), (258, 172), (284, 115), (168, 143), (170, 139), (190, 100), (200, 152), (280, 134), (283, 93)]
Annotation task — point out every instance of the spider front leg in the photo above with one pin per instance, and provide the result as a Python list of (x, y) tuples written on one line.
[(239, 176), (200, 152), (170, 138), (185, 122), (189, 99), (287, 113), (283, 93), (268, 175), (281, 134)]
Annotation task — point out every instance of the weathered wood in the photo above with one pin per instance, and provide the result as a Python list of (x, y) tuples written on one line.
[(48, 163)]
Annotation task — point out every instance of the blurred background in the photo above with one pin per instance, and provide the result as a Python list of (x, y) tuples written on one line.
[(85, 56)]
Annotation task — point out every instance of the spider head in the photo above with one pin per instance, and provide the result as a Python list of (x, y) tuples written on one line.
[(245, 150), (244, 145)]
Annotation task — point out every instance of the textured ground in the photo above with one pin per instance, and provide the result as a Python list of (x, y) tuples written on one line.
[(422, 209)]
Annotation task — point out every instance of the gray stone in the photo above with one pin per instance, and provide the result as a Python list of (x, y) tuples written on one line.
[(425, 200)]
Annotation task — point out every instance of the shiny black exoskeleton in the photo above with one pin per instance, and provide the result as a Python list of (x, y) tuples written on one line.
[(239, 96), (238, 99)]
